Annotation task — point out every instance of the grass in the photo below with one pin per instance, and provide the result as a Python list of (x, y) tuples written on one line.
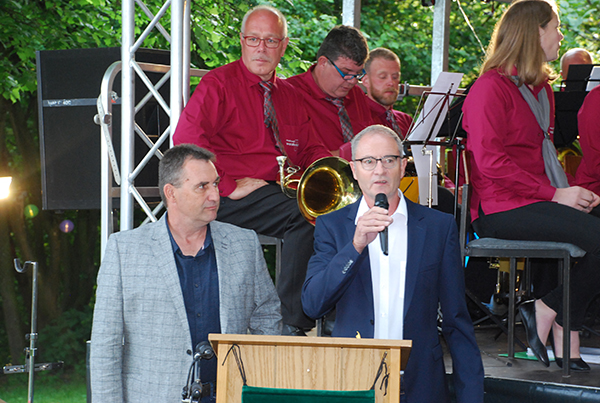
[(56, 387)]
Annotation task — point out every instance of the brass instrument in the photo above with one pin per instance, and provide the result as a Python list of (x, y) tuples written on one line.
[(325, 186)]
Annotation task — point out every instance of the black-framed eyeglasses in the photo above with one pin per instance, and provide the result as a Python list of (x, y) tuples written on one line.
[(348, 77), (387, 161), (254, 42)]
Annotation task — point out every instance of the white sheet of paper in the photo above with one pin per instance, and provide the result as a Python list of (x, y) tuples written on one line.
[(594, 79), (432, 118)]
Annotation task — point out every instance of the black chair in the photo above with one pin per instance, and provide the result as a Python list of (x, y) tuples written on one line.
[(513, 250)]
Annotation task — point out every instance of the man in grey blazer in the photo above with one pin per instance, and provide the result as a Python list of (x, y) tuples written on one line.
[(164, 286)]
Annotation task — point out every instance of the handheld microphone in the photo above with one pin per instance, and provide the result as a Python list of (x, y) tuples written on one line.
[(381, 201)]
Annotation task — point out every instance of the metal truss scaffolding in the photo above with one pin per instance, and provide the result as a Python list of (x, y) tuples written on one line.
[(177, 74)]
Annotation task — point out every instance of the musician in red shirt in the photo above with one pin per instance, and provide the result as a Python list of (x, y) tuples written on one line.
[(247, 116), (513, 196), (588, 172), (334, 101), (382, 83)]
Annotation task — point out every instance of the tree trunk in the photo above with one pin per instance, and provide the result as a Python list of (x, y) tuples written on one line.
[(12, 320), (10, 309)]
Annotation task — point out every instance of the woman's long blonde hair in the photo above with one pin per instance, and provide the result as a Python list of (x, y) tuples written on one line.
[(516, 42)]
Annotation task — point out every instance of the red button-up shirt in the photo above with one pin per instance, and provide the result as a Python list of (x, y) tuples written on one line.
[(225, 115), (588, 172), (504, 146), (325, 114)]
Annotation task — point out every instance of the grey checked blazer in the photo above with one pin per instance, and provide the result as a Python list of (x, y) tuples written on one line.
[(140, 334)]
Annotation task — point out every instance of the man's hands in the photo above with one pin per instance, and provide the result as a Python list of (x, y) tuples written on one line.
[(368, 226), (245, 186), (577, 197)]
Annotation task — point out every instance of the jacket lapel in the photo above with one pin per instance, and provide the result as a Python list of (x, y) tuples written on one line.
[(416, 241), (364, 273), (165, 261), (221, 243)]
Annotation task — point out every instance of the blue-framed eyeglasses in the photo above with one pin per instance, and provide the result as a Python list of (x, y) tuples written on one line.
[(348, 77)]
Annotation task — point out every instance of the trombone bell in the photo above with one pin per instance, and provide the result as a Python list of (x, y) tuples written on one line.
[(327, 185)]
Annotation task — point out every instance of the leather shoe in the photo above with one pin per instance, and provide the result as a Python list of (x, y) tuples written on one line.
[(575, 364), (527, 310), (291, 330)]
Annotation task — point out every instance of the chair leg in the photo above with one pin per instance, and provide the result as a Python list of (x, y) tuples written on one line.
[(511, 306), (566, 271)]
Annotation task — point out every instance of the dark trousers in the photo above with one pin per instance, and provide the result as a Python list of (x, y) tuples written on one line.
[(548, 221), (269, 212)]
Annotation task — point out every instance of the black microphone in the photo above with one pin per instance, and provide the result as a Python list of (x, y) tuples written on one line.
[(381, 201), (203, 351)]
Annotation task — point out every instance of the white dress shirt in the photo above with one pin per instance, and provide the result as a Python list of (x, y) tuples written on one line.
[(388, 273)]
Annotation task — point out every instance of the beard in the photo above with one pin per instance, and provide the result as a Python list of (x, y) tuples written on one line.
[(385, 98)]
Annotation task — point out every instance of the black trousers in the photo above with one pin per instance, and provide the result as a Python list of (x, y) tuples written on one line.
[(548, 221), (269, 212)]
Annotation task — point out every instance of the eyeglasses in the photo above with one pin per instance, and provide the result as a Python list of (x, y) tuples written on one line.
[(387, 161), (348, 77), (254, 42)]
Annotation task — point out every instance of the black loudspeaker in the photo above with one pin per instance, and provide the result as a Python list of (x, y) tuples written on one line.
[(68, 88)]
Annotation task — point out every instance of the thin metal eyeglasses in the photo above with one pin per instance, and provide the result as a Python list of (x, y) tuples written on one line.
[(254, 42), (348, 77), (387, 161)]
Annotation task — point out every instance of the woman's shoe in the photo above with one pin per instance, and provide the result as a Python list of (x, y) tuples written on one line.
[(575, 364), (527, 310)]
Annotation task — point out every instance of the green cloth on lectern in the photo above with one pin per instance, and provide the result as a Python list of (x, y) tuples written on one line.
[(252, 394)]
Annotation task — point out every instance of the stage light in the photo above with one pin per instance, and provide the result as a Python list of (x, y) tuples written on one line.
[(5, 186)]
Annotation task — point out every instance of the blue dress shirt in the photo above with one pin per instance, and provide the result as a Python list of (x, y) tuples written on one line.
[(199, 280)]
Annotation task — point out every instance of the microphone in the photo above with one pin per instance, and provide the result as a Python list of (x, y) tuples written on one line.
[(203, 351), (381, 201)]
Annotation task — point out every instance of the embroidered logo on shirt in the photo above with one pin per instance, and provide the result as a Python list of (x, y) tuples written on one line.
[(292, 143)]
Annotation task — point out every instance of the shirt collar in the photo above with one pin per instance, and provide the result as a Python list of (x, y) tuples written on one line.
[(253, 79), (535, 90), (176, 248), (376, 107)]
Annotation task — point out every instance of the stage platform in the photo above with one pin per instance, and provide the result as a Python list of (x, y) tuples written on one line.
[(526, 381)]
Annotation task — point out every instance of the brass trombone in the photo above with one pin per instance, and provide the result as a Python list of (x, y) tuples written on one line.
[(325, 186)]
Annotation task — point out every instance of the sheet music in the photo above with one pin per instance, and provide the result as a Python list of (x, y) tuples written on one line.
[(594, 79), (430, 120)]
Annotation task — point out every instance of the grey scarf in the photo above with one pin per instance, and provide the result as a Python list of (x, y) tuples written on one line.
[(541, 111)]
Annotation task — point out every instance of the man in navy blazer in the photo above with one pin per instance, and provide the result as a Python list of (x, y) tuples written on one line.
[(423, 269)]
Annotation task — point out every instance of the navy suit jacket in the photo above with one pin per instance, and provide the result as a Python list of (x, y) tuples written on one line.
[(339, 277)]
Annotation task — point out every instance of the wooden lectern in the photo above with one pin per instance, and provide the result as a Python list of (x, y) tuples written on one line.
[(324, 363)]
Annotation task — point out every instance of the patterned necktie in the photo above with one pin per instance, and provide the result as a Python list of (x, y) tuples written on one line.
[(270, 117), (392, 119), (347, 132)]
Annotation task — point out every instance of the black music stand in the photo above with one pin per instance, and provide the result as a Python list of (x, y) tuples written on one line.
[(578, 76), (567, 105)]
